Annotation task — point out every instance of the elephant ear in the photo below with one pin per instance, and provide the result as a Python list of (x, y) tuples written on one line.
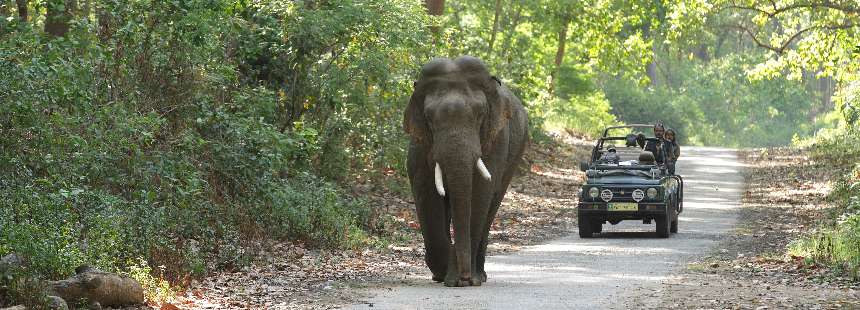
[(414, 122), (499, 109)]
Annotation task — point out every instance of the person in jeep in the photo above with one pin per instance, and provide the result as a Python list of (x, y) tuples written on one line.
[(671, 149), (610, 157), (656, 147)]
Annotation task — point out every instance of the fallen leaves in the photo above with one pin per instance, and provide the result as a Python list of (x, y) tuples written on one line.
[(540, 205)]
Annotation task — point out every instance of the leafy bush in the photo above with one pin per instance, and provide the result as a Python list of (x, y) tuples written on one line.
[(837, 241), (139, 145), (585, 114)]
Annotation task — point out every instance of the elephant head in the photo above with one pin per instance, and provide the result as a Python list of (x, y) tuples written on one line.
[(456, 112)]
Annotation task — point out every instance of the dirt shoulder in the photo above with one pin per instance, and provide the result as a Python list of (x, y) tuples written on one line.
[(539, 206), (749, 269)]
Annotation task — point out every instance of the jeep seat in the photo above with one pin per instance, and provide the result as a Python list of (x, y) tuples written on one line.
[(646, 158)]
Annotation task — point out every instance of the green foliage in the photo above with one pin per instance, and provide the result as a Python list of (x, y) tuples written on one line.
[(715, 104), (156, 289), (584, 114), (143, 138), (837, 242), (18, 286)]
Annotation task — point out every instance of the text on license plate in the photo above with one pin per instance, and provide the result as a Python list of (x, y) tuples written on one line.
[(622, 207)]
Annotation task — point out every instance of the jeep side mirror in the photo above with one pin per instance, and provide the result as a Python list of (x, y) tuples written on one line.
[(583, 166)]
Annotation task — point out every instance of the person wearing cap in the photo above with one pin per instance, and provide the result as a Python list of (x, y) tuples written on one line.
[(610, 157)]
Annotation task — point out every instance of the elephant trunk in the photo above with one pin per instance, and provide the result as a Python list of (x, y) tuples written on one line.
[(457, 160), (458, 177)]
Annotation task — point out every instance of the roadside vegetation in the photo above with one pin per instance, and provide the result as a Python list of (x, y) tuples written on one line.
[(171, 140), (836, 241)]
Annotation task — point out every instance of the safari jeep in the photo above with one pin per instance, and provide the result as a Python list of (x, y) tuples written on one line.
[(626, 183)]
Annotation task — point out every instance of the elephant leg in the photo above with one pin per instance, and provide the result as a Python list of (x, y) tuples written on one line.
[(434, 222), (482, 207), (491, 216), (482, 250), (433, 215)]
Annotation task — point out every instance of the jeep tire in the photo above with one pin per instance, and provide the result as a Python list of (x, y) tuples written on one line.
[(585, 226), (663, 223), (596, 226)]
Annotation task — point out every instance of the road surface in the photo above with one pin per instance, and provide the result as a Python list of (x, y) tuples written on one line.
[(597, 273)]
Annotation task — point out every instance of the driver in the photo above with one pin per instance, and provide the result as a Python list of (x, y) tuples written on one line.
[(655, 147)]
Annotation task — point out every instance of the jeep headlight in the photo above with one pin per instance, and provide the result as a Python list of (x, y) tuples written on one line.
[(652, 193), (593, 192), (638, 195)]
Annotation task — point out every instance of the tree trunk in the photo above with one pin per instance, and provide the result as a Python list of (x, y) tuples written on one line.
[(495, 26), (559, 53), (22, 9), (825, 86), (702, 54), (86, 9), (435, 7), (651, 67), (512, 29), (57, 16), (4, 8)]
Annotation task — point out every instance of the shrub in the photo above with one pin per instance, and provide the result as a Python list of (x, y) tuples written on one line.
[(837, 241), (585, 114)]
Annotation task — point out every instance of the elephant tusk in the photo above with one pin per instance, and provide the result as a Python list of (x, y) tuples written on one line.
[(483, 170), (439, 187)]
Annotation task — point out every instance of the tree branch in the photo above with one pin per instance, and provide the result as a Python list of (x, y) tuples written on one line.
[(775, 10), (782, 47)]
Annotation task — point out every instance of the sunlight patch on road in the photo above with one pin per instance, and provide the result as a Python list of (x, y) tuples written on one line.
[(607, 249)]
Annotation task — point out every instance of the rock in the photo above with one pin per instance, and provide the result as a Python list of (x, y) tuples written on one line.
[(107, 289), (11, 261), (57, 303)]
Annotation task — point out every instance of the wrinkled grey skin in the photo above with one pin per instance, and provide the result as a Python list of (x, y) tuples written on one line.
[(459, 112)]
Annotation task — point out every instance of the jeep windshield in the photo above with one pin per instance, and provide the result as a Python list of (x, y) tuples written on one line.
[(620, 148)]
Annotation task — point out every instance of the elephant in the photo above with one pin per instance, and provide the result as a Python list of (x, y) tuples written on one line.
[(467, 135)]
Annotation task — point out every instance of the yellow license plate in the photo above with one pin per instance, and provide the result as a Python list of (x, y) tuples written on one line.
[(629, 206)]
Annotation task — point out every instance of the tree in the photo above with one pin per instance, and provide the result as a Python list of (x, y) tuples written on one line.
[(559, 53), (435, 7), (816, 35), (22, 9), (498, 11), (58, 13), (4, 8)]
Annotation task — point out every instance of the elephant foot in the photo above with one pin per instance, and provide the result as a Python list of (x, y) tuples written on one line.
[(457, 282), (463, 282), (438, 279), (482, 276)]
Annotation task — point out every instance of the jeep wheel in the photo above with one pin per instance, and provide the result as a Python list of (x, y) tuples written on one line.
[(584, 227), (673, 228), (596, 226), (663, 225)]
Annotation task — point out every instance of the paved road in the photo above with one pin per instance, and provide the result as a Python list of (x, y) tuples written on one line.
[(574, 273)]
